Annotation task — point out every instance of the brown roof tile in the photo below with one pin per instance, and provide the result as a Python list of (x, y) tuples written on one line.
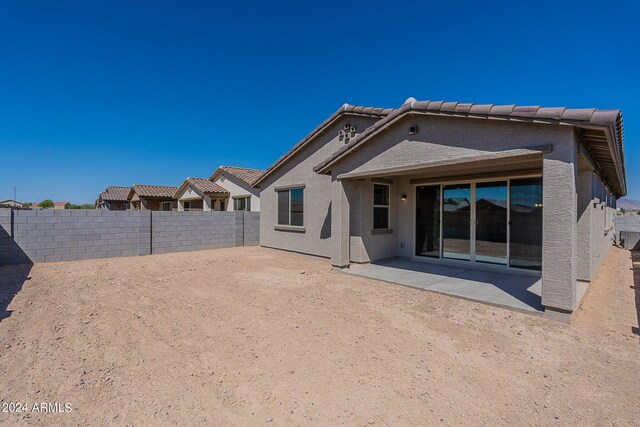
[(244, 174), (206, 186), (153, 191), (115, 194)]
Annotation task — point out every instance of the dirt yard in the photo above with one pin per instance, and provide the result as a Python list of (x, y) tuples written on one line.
[(251, 336)]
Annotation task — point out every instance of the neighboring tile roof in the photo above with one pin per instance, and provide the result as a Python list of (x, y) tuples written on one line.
[(153, 191), (244, 174), (536, 114), (203, 185), (115, 194), (345, 109)]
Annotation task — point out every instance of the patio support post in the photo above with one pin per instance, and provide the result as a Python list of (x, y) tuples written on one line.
[(206, 203), (559, 228), (180, 206), (340, 223)]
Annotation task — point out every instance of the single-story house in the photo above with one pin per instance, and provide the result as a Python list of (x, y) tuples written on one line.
[(239, 182), (114, 199), (503, 187), (200, 194), (152, 198), (11, 204), (56, 205)]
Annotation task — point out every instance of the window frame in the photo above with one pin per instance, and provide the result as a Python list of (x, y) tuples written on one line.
[(387, 206), (247, 203), (288, 225)]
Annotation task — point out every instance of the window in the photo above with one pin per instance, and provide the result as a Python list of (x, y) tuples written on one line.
[(242, 204), (291, 207), (222, 208), (380, 206), (166, 206)]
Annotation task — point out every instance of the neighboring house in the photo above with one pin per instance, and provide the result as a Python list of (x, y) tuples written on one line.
[(12, 204), (152, 198), (56, 205), (114, 199), (239, 182), (505, 187), (200, 194)]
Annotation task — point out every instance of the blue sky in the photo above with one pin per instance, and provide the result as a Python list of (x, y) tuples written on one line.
[(97, 93)]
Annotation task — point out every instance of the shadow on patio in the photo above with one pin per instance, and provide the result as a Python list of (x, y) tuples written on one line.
[(514, 290)]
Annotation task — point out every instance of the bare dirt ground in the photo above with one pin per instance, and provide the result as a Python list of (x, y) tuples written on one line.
[(251, 336)]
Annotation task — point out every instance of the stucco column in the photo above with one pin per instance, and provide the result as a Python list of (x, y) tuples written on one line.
[(339, 223), (180, 206), (206, 203), (559, 228)]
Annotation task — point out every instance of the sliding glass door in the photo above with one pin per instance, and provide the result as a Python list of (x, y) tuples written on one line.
[(525, 247), (491, 222), (456, 221), (495, 222), (428, 221)]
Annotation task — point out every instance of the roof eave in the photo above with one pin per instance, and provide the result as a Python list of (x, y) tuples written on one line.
[(325, 166)]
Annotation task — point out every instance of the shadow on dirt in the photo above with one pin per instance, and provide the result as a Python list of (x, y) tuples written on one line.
[(12, 278)]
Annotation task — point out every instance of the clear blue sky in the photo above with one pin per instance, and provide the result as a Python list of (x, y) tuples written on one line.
[(97, 93)]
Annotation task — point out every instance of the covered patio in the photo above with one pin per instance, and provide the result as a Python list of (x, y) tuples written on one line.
[(514, 290)]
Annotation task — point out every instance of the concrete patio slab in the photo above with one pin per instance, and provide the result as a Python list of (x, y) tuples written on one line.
[(510, 289)]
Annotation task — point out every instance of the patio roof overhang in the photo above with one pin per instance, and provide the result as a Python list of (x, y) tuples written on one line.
[(600, 131), (523, 160)]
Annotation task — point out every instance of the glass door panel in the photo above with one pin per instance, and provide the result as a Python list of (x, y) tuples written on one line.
[(491, 222), (428, 221), (525, 248), (456, 221)]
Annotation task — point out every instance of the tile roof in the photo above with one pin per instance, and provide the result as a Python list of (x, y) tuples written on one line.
[(345, 109), (549, 115), (203, 185), (246, 175), (153, 191), (115, 194)]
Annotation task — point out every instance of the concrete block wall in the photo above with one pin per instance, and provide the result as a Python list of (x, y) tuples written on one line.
[(190, 231), (30, 236), (251, 228)]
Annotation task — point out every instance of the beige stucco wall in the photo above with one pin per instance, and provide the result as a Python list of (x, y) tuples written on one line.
[(317, 194), (236, 188), (189, 193)]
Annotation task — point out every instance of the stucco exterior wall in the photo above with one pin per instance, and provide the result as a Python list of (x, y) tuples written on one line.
[(596, 221), (317, 194), (189, 193), (237, 188), (445, 138), (367, 245)]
